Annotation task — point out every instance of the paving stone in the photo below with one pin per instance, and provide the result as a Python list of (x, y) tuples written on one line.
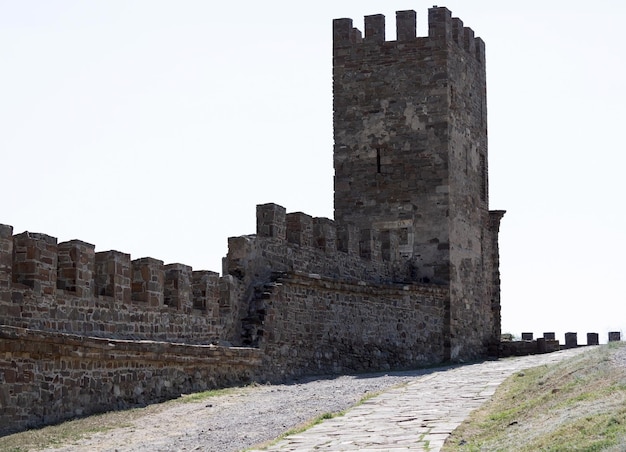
[(418, 416)]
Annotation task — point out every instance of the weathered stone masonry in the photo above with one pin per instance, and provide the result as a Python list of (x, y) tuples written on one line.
[(405, 275), (67, 287), (82, 332), (346, 327), (318, 309), (410, 160), (47, 377)]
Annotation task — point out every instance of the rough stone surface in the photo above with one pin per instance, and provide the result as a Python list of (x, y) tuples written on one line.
[(47, 377), (345, 327), (410, 157)]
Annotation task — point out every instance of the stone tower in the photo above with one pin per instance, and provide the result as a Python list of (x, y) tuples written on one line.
[(410, 159)]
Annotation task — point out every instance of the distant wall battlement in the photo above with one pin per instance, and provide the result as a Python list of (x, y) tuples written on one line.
[(297, 242), (442, 28), (107, 293)]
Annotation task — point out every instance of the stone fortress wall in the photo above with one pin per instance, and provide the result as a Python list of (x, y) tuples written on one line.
[(323, 299), (48, 377), (82, 332), (67, 287), (405, 275)]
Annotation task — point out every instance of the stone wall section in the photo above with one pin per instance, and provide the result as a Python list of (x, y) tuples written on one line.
[(6, 261), (69, 288), (76, 268), (49, 377), (470, 238), (317, 325), (301, 243), (35, 258), (493, 250)]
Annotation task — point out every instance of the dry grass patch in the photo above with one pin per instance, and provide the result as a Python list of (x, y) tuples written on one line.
[(576, 405), (70, 432)]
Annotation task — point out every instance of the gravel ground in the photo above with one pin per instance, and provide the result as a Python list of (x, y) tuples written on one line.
[(242, 418)]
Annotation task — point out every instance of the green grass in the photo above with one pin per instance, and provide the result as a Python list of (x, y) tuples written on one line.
[(576, 405)]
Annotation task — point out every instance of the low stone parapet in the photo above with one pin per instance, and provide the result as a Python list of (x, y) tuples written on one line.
[(531, 347), (49, 377)]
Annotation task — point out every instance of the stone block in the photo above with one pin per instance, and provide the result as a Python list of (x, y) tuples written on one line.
[(593, 339), (6, 256), (552, 345), (148, 279), (35, 262), (527, 336), (205, 287), (270, 221), (439, 23), (375, 29), (239, 252), (406, 25), (113, 275), (541, 345), (615, 336), (348, 239), (325, 235), (571, 340), (342, 32), (457, 31), (549, 336), (76, 268), (177, 289), (469, 40), (299, 229)]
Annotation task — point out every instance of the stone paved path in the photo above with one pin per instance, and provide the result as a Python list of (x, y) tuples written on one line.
[(418, 416)]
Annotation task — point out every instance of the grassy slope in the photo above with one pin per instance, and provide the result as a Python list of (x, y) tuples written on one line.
[(576, 405)]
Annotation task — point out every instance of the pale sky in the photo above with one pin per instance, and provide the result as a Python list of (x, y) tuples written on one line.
[(155, 127)]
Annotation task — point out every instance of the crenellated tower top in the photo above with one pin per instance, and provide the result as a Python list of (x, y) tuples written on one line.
[(441, 27), (410, 134)]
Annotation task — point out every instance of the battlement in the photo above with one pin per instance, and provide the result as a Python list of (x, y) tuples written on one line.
[(37, 262), (69, 287), (297, 242), (6, 261), (318, 233), (442, 29)]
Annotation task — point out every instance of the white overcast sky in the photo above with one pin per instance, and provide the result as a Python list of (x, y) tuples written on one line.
[(155, 127)]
